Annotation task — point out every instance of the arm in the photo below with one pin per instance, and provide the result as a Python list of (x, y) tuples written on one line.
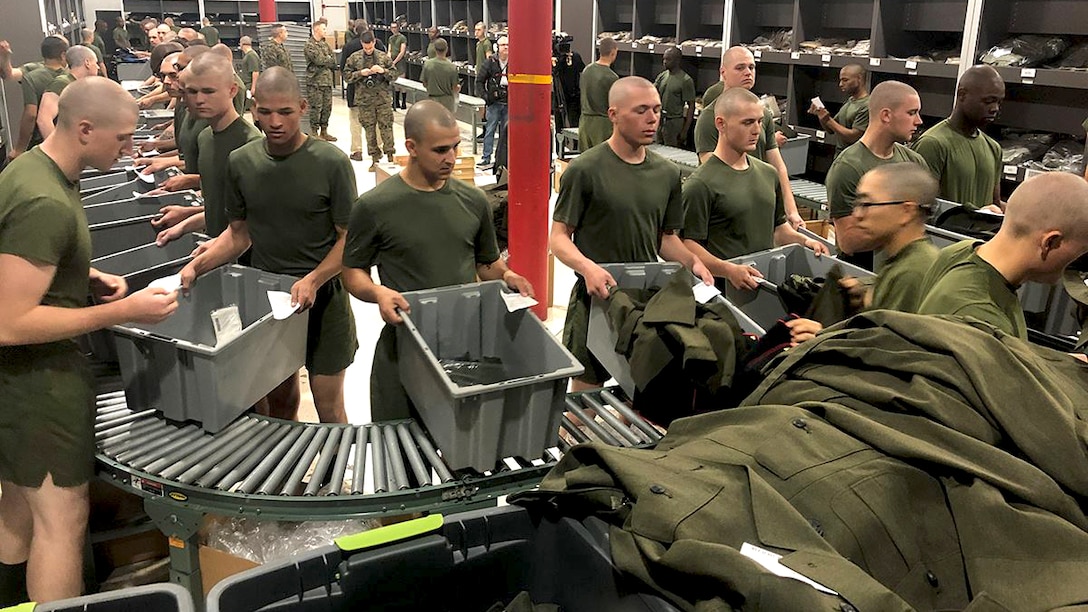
[(400, 53), (7, 71), (689, 115), (672, 249), (786, 234), (253, 83), (24, 320), (227, 247), (26, 129), (304, 292), (598, 281), (741, 277), (497, 270), (362, 286), (774, 157), (47, 112), (848, 136)]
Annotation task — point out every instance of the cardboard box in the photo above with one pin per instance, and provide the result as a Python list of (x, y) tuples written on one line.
[(385, 171), (560, 167), (217, 565), (465, 174), (401, 160), (824, 229)]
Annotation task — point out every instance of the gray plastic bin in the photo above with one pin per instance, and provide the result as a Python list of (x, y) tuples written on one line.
[(145, 263), (601, 340), (472, 561), (762, 304), (477, 425), (145, 208), (795, 154), (176, 367), (118, 236), (124, 190), (163, 597)]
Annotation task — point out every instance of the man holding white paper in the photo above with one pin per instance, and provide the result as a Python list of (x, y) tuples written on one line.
[(295, 227), (850, 122)]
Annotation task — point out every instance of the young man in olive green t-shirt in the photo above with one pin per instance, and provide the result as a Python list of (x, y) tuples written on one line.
[(251, 64), (34, 79), (618, 203), (594, 126), (441, 79), (895, 114), (47, 420), (964, 159), (398, 48), (1044, 230), (82, 63), (455, 246), (677, 91), (733, 202), (289, 197), (853, 117), (484, 46)]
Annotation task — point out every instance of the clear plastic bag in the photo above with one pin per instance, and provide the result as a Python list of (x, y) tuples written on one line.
[(265, 541), (1020, 147), (1025, 51), (1065, 156)]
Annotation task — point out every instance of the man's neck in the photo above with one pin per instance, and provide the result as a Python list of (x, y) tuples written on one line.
[(629, 152), (903, 238), (223, 121), (66, 158), (1005, 257), (880, 144), (675, 70), (414, 177), (604, 62), (737, 160), (961, 124), (53, 64), (859, 94), (289, 147)]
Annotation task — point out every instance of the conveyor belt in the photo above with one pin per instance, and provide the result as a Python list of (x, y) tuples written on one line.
[(814, 193), (688, 161)]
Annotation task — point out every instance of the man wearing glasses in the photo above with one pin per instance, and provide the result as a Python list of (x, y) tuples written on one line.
[(894, 115)]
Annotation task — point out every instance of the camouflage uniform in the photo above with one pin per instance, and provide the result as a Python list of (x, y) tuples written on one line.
[(373, 104), (320, 63), (273, 53)]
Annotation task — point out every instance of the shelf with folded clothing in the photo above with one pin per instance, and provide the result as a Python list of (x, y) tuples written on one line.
[(919, 37), (1036, 42), (836, 28), (495, 10), (705, 70), (655, 25), (937, 94), (418, 14), (379, 12)]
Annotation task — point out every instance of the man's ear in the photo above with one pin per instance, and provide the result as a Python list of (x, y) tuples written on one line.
[(411, 146), (1050, 241)]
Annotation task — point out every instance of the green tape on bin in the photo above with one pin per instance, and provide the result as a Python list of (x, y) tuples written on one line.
[(388, 534), (23, 607)]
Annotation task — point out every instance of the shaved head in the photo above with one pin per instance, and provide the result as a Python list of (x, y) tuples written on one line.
[(736, 54), (732, 99), (161, 51), (422, 115), (622, 89), (854, 70), (1047, 202), (194, 51), (224, 51), (277, 81), (213, 65), (978, 77), (891, 95), (909, 182), (97, 100), (738, 68), (606, 47), (78, 55)]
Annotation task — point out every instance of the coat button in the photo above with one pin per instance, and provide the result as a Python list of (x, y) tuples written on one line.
[(931, 578), (799, 423), (657, 489), (845, 607)]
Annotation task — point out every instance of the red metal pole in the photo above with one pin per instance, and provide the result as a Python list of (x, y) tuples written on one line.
[(267, 10), (530, 90)]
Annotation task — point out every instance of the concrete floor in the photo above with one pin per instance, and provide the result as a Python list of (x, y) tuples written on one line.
[(368, 322)]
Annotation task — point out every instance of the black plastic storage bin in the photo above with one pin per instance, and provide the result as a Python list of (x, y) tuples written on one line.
[(475, 560), (150, 598)]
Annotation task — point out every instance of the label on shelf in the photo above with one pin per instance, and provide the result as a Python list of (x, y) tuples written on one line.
[(825, 58), (756, 54), (1010, 170), (874, 61), (1027, 73), (634, 45), (821, 134), (1028, 173), (912, 65), (795, 55), (650, 46), (1027, 81), (698, 50)]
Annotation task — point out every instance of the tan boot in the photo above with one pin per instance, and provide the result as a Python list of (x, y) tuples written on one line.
[(326, 135)]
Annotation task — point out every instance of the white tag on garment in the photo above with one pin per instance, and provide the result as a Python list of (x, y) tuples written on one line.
[(167, 283), (281, 305), (227, 324), (147, 178), (770, 562), (704, 293), (516, 301)]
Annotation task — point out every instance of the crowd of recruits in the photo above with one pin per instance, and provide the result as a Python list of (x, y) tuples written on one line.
[(288, 198)]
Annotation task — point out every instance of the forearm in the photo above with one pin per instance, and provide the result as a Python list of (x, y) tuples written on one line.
[(672, 249), (43, 324), (359, 284), (495, 270), (26, 127), (717, 267), (775, 157), (226, 248), (688, 118), (785, 234), (565, 250), (45, 123), (330, 266)]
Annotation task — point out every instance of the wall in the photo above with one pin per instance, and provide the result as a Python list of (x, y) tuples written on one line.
[(90, 6), (336, 11), (22, 27)]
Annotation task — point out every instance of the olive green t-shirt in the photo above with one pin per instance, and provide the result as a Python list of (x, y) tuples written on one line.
[(595, 82), (385, 230), (676, 91), (431, 53), (850, 166), (211, 35), (240, 95), (186, 136), (968, 168), (395, 41), (706, 134), (711, 94), (34, 84), (42, 221), (619, 210), (733, 212), (251, 63), (291, 222), (483, 47), (898, 283), (59, 83), (853, 115), (214, 149), (440, 78), (963, 284), (97, 52), (120, 38)]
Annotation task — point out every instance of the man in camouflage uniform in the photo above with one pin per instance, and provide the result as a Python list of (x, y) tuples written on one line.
[(320, 63), (372, 72), (273, 53)]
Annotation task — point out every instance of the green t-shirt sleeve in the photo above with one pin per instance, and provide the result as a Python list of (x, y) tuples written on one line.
[(487, 246), (706, 133), (571, 203), (343, 191), (769, 130), (57, 86), (689, 90), (697, 203), (779, 203), (233, 201), (361, 247), (861, 119), (425, 74), (935, 155), (674, 210), (30, 97), (251, 64), (39, 231), (842, 184), (982, 309)]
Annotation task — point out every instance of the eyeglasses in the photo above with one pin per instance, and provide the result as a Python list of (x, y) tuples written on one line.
[(871, 204)]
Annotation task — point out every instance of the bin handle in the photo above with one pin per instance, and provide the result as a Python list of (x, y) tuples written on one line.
[(389, 534), (23, 607)]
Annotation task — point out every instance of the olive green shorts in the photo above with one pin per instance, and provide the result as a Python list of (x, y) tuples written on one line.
[(46, 415), (331, 341), (388, 399), (576, 332)]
